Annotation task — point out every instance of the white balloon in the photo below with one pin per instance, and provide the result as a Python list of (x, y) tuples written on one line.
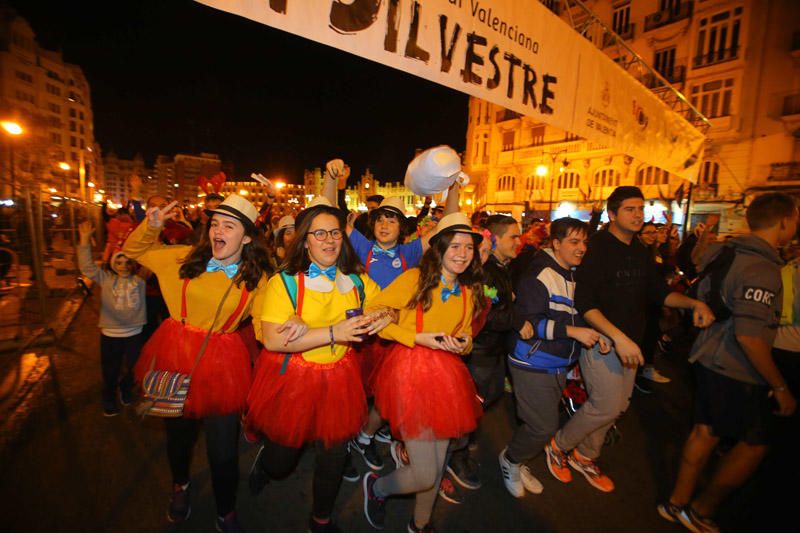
[(434, 171)]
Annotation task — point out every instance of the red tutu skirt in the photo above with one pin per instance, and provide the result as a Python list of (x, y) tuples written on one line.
[(310, 402), (425, 394), (222, 379), (369, 355)]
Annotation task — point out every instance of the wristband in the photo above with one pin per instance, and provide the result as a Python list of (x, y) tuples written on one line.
[(779, 389), (333, 341)]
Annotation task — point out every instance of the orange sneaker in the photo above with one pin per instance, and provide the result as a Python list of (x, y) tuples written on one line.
[(557, 462), (590, 471)]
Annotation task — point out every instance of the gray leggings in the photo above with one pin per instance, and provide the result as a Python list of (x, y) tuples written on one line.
[(421, 476)]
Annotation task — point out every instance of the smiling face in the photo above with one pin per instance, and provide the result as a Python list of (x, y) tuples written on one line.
[(324, 253), (459, 255), (508, 243), (387, 230), (629, 217), (485, 250), (121, 265), (648, 234), (570, 250), (227, 238)]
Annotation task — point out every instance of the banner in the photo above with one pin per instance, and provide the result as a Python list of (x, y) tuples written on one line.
[(514, 53)]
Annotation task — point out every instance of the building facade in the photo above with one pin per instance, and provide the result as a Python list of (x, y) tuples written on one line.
[(744, 79), (290, 198), (118, 174), (51, 101), (368, 185)]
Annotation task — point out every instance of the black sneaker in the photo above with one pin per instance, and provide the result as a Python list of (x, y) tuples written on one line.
[(384, 435), (316, 527), (228, 524), (350, 472), (464, 471), (449, 491), (179, 504), (110, 409), (125, 397), (369, 452), (374, 507), (642, 385), (258, 478)]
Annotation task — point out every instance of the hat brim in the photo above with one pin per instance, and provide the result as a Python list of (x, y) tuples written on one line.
[(233, 213), (458, 228), (390, 208)]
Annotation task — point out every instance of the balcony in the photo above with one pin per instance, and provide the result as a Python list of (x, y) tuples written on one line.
[(788, 171), (668, 16), (677, 76), (609, 39), (717, 56), (506, 114)]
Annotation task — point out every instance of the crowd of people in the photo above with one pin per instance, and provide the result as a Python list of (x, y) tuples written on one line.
[(339, 332)]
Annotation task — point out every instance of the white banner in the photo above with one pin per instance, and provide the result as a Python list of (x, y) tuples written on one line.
[(514, 53)]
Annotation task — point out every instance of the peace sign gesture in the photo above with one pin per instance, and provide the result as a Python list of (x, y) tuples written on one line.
[(156, 216)]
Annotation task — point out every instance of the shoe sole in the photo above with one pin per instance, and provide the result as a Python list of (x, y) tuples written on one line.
[(666, 515), (534, 486), (111, 415), (380, 438), (547, 451), (574, 464), (465, 484), (641, 389), (366, 502), (374, 467), (447, 498), (352, 479)]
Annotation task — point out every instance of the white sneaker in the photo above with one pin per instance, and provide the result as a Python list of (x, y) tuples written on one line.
[(511, 476), (650, 372), (529, 481)]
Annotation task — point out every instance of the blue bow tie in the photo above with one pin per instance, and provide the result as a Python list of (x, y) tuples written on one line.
[(446, 293), (377, 250), (314, 271), (230, 270)]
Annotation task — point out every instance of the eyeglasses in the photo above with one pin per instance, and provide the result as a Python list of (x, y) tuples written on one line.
[(322, 234)]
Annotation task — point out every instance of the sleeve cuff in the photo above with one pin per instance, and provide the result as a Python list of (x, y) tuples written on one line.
[(393, 332)]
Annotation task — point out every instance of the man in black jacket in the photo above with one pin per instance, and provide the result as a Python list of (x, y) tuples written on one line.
[(486, 363)]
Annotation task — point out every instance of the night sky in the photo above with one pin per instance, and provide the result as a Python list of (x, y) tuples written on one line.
[(171, 76)]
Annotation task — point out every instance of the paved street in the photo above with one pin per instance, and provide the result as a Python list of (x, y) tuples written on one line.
[(67, 468)]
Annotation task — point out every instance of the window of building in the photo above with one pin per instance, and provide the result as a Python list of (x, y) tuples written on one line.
[(478, 114), (607, 177), (24, 76), (621, 21), (709, 173), (81, 115), (52, 89), (485, 156), (535, 183), (80, 128), (72, 112), (74, 156), (537, 135), (72, 125), (713, 98), (718, 39), (652, 176), (569, 180), (54, 122), (673, 6), (664, 62), (571, 137), (25, 97), (505, 183), (508, 140), (73, 142), (55, 108), (55, 138), (82, 144)]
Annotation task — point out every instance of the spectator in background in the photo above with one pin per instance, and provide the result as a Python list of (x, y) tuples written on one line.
[(210, 202), (362, 221), (118, 228)]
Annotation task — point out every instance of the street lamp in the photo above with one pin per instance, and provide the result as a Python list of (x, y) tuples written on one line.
[(13, 130), (543, 170)]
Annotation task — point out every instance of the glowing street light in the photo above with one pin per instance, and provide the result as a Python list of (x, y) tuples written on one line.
[(90, 184), (279, 185), (541, 170), (12, 128), (64, 166), (242, 192)]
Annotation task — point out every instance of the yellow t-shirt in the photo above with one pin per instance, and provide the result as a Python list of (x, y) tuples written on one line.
[(442, 316), (319, 310), (203, 293)]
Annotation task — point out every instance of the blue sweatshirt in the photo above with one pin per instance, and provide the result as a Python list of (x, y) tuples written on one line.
[(545, 297)]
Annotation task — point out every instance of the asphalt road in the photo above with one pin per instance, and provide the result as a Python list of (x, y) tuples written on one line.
[(67, 468)]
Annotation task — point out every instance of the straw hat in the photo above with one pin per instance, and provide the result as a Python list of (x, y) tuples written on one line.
[(319, 200), (455, 223), (286, 221), (393, 204), (237, 207)]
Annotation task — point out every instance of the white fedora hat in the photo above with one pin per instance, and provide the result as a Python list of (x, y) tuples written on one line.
[(455, 223), (393, 204), (237, 207), (286, 221), (434, 171)]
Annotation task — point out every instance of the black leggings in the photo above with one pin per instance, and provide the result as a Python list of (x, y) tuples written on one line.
[(279, 461), (222, 445)]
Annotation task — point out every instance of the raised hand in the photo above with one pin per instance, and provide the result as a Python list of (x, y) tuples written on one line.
[(157, 216), (85, 230)]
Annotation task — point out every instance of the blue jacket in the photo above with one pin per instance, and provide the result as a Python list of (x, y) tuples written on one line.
[(545, 297)]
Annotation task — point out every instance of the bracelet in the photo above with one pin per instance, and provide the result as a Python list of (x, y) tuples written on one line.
[(779, 389), (333, 341)]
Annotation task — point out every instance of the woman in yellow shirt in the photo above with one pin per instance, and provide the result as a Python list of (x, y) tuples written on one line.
[(307, 385), (193, 280), (422, 386)]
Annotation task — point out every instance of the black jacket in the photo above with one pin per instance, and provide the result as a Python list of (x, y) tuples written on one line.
[(502, 318)]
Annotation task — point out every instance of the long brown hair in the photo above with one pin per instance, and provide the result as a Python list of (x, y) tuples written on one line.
[(297, 259), (253, 265), (431, 272)]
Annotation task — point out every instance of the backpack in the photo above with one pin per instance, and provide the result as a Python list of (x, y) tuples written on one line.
[(716, 271)]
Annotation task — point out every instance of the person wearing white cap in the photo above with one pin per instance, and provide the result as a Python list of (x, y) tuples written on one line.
[(209, 287), (284, 234), (426, 393)]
